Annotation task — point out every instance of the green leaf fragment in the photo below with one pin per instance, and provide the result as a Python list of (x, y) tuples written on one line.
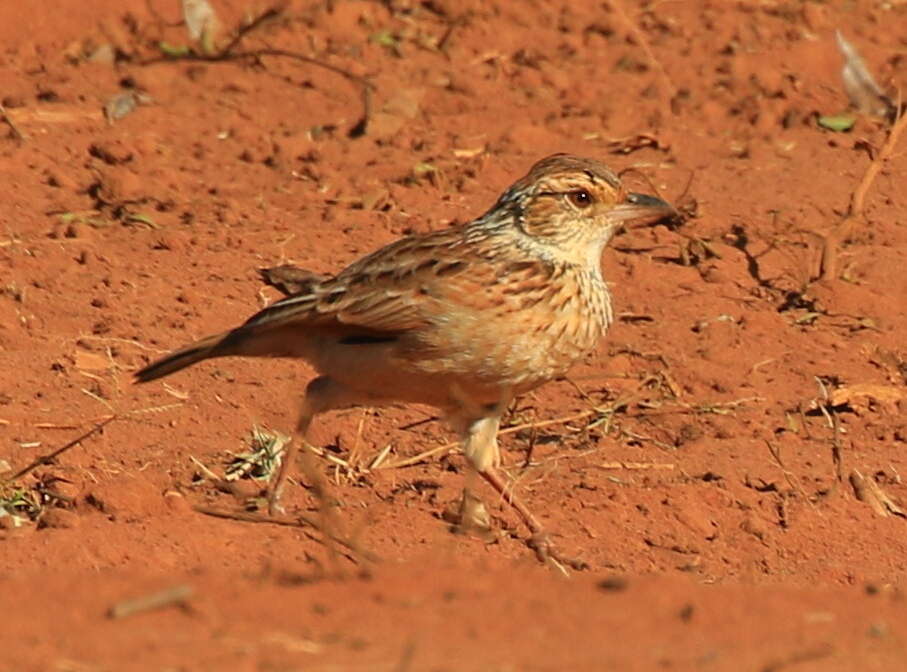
[(173, 50), (385, 38), (837, 123), (141, 218)]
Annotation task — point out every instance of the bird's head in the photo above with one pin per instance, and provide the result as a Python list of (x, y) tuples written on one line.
[(573, 206)]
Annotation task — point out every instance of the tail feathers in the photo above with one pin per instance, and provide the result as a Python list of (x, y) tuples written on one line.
[(184, 357)]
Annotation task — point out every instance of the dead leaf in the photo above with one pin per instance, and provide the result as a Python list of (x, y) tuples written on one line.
[(632, 143), (468, 153), (91, 361), (123, 104), (868, 491), (401, 107), (861, 395), (375, 199), (865, 95), (201, 23)]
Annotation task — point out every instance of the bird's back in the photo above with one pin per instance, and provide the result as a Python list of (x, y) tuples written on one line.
[(457, 306)]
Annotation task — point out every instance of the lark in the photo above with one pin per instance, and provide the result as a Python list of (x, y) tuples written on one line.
[(462, 319)]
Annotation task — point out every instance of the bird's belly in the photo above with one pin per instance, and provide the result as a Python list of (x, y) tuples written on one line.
[(381, 373), (485, 354), (517, 353)]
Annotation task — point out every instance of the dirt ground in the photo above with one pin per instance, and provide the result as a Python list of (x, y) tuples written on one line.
[(728, 462)]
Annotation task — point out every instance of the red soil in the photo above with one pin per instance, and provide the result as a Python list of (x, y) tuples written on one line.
[(708, 505)]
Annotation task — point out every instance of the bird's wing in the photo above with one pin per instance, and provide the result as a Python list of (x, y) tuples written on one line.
[(390, 291), (290, 279)]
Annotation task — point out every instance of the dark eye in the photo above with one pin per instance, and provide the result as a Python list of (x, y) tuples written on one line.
[(580, 198)]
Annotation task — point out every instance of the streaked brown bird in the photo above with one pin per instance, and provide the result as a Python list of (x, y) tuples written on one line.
[(462, 319)]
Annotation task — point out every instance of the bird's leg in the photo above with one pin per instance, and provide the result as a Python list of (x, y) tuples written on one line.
[(480, 442), (544, 549), (480, 445), (321, 394), (289, 457), (275, 490)]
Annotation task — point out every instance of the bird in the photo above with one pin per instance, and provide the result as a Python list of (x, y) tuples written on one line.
[(462, 319)]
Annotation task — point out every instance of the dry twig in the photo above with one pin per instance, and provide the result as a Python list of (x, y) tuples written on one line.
[(415, 459), (230, 54), (301, 521), (868, 491), (827, 409), (49, 458), (831, 241), (4, 116), (669, 89), (775, 452), (163, 598)]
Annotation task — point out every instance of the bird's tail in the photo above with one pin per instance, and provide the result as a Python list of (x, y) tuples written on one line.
[(212, 346), (252, 339)]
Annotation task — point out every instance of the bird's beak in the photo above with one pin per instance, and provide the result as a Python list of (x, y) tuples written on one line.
[(641, 209)]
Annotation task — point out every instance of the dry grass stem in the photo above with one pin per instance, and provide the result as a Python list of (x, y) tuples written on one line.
[(829, 262), (775, 452), (164, 598), (826, 407), (230, 54), (357, 552), (868, 491), (380, 457), (667, 466), (9, 122), (669, 89), (50, 457), (205, 470), (510, 430)]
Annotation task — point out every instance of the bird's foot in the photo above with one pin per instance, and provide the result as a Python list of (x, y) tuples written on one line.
[(275, 508), (470, 517), (548, 554)]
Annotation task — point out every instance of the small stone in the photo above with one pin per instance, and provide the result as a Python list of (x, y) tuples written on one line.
[(176, 502), (111, 152), (755, 526), (104, 54)]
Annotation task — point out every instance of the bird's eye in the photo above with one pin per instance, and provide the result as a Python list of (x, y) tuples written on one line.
[(580, 198)]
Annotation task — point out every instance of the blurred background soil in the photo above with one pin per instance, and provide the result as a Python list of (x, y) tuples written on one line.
[(728, 462)]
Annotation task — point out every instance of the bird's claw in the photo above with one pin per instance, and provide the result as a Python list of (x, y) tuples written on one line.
[(547, 553)]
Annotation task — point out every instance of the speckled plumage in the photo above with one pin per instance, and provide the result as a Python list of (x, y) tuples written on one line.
[(462, 319)]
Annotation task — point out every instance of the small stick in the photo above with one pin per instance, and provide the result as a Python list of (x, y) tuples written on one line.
[(381, 456), (4, 115), (510, 430), (47, 459), (163, 598), (228, 54), (828, 262), (832, 417), (868, 491), (207, 472), (333, 459), (354, 455), (301, 521), (775, 452), (638, 465), (639, 36)]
